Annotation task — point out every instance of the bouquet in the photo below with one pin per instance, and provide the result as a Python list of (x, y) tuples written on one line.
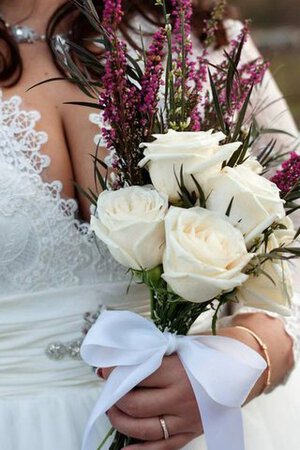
[(185, 206)]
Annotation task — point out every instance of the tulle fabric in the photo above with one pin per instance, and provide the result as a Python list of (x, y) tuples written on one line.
[(55, 419)]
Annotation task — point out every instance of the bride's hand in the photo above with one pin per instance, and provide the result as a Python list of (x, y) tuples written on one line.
[(167, 395)]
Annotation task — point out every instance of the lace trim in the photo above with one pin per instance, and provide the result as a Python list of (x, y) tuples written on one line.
[(42, 243)]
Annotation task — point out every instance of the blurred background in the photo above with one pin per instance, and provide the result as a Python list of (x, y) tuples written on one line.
[(276, 31)]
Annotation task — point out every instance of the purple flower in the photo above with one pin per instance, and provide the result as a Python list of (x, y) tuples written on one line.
[(249, 74), (152, 80), (288, 176), (112, 14)]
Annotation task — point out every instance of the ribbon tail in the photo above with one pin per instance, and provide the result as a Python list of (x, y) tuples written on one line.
[(122, 380), (222, 426)]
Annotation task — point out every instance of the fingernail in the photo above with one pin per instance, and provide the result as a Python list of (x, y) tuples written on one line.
[(99, 373)]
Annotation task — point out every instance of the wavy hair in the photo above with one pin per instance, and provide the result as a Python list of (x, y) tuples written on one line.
[(11, 65)]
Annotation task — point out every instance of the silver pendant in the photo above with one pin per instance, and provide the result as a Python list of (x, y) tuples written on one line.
[(58, 351), (25, 34)]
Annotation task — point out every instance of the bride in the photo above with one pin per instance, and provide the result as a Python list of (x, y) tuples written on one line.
[(53, 278)]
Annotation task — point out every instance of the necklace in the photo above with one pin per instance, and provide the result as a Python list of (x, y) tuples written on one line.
[(24, 34)]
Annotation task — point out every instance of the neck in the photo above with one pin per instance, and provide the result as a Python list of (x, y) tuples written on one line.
[(35, 13)]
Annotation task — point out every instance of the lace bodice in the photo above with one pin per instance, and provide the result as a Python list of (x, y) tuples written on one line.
[(42, 243)]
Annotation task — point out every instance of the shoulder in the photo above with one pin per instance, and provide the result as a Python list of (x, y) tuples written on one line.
[(234, 29)]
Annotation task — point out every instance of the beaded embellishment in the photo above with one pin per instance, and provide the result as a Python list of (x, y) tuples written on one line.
[(59, 350)]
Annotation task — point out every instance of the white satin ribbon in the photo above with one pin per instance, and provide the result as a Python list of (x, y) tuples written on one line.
[(222, 371)]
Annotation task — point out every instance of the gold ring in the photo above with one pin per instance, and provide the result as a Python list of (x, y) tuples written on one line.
[(164, 427)]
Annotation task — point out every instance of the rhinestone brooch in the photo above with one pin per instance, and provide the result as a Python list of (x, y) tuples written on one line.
[(58, 350)]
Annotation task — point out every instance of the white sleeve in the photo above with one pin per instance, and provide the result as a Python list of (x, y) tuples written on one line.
[(268, 103), (272, 111)]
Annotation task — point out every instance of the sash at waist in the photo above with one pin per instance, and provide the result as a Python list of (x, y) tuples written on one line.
[(30, 323)]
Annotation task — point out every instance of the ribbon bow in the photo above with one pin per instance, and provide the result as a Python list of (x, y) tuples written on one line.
[(222, 372)]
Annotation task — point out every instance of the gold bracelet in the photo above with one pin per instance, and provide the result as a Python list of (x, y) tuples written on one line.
[(265, 351)]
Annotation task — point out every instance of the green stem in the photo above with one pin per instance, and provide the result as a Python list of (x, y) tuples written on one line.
[(169, 90), (215, 318), (183, 63), (109, 434), (152, 303)]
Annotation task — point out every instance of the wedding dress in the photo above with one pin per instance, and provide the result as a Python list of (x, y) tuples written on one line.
[(53, 281)]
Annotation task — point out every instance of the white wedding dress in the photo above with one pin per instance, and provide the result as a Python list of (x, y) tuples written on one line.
[(51, 275)]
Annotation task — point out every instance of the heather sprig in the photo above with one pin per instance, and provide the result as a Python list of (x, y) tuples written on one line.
[(112, 15), (188, 79), (129, 98), (119, 99), (213, 23), (232, 82), (151, 82), (287, 179)]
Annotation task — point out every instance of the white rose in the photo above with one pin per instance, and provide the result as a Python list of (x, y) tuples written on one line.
[(204, 255), (252, 164), (199, 153), (271, 290), (256, 202), (286, 234), (130, 222)]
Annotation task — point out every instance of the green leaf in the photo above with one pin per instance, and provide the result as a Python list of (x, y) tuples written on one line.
[(292, 250), (217, 105), (292, 211), (266, 152), (242, 115), (99, 161), (49, 80), (228, 210), (232, 72), (85, 194), (136, 66), (85, 104), (297, 234), (184, 194), (246, 146), (238, 53), (263, 272), (202, 198), (276, 131), (234, 158)]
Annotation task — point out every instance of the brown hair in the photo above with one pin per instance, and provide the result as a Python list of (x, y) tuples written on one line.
[(80, 28)]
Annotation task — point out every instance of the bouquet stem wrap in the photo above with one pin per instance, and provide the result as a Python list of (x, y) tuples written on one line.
[(222, 371)]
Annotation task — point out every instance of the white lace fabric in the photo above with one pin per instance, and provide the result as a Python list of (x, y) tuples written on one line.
[(42, 243)]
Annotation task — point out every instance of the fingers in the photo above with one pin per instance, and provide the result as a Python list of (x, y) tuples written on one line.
[(143, 403), (158, 379), (104, 372), (170, 371), (174, 443), (148, 429)]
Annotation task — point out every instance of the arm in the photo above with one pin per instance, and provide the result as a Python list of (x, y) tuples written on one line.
[(168, 392), (272, 333), (268, 103)]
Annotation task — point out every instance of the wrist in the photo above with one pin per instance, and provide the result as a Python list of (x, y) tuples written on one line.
[(248, 339)]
